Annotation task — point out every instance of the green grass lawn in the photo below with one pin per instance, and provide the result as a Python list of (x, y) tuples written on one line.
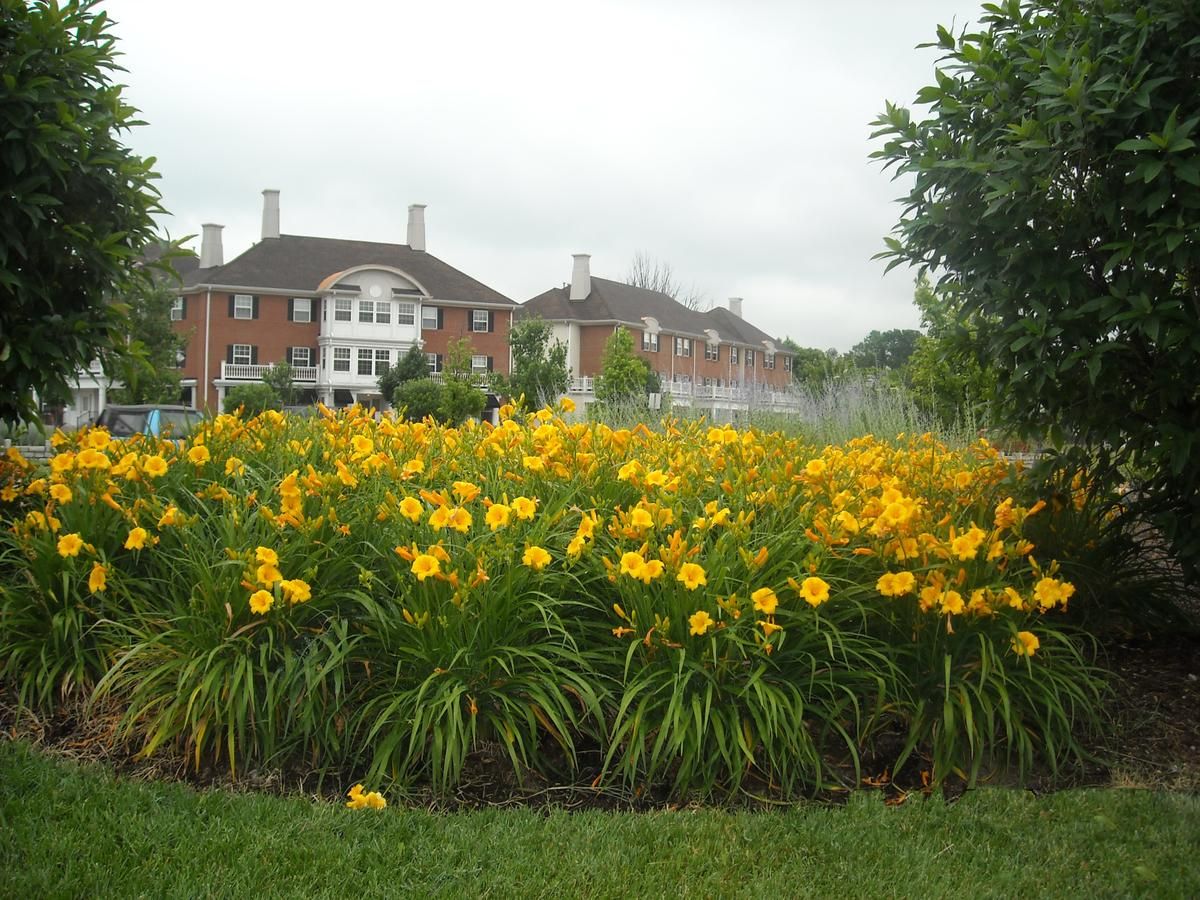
[(77, 831)]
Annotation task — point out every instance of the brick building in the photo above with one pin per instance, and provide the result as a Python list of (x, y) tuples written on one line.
[(715, 360), (336, 310)]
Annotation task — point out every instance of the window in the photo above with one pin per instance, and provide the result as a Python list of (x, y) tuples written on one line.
[(712, 351), (243, 306), (650, 341), (750, 358), (178, 309), (341, 309), (406, 313), (787, 364), (180, 357), (683, 346), (366, 310), (300, 310), (768, 360), (733, 355), (481, 365), (435, 362), (242, 354), (300, 356), (382, 359), (481, 320), (366, 361), (383, 312), (341, 359), (431, 317)]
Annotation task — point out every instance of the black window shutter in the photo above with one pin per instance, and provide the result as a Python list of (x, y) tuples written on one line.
[(288, 356), (489, 363), (231, 306), (254, 355), (254, 315), (229, 353), (183, 312), (491, 327), (440, 326), (315, 305), (314, 356), (291, 311), (437, 366)]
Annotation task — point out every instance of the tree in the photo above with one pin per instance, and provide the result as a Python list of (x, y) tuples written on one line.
[(410, 367), (153, 374), (419, 398), (885, 349), (252, 399), (623, 374), (946, 380), (656, 275), (812, 368), (78, 204), (1056, 185), (280, 378), (539, 370)]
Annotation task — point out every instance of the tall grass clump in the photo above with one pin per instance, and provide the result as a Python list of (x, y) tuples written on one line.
[(684, 608)]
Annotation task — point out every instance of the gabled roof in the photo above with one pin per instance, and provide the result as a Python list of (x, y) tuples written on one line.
[(735, 329), (614, 301), (296, 263)]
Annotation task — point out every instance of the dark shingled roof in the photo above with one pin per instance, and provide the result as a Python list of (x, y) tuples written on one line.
[(295, 263), (616, 301), (735, 329)]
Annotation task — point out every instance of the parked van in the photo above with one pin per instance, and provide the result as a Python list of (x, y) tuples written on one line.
[(160, 421)]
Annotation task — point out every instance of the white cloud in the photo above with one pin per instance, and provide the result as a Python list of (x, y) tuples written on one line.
[(728, 139)]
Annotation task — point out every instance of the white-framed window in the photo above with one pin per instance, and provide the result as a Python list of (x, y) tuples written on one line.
[(243, 306), (177, 309), (242, 354), (750, 358), (480, 365), (383, 358), (180, 357), (430, 318), (343, 308), (366, 310), (712, 352), (406, 313), (301, 356), (481, 320), (650, 341), (301, 309), (366, 361), (787, 364), (733, 355), (435, 362), (683, 346), (341, 359), (383, 312), (768, 360)]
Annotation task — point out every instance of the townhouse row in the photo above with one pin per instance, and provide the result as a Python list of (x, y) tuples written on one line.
[(339, 311)]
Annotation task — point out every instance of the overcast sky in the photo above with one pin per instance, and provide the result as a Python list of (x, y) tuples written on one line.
[(728, 139)]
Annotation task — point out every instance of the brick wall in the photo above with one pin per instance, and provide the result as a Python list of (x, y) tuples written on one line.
[(456, 323)]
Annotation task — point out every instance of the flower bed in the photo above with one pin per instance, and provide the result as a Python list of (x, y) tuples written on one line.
[(708, 608)]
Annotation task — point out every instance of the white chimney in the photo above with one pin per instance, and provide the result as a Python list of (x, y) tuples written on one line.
[(211, 253), (416, 226), (270, 225), (735, 306), (581, 276)]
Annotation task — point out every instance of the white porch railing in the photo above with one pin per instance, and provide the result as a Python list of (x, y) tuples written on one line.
[(749, 395), (240, 372), (479, 379)]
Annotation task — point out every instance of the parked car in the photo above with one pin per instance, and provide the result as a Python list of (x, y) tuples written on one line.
[(157, 420)]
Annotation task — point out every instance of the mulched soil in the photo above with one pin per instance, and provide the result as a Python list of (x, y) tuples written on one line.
[(1152, 741)]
